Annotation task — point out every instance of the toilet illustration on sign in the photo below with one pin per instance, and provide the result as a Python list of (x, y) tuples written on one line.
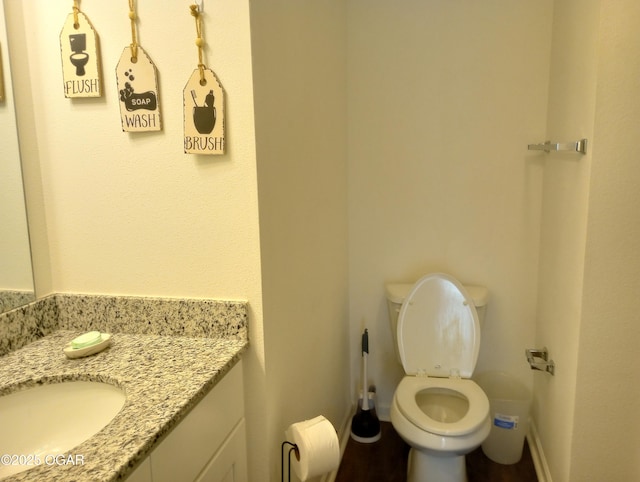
[(132, 100), (78, 57), (204, 116)]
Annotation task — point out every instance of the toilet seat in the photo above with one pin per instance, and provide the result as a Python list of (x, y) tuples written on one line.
[(476, 414)]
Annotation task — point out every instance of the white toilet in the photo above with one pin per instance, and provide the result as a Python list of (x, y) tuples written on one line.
[(437, 409)]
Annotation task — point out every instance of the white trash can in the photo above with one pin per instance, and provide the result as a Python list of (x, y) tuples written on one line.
[(509, 405)]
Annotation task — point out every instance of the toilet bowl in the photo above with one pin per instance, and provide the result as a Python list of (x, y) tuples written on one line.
[(79, 60), (437, 409)]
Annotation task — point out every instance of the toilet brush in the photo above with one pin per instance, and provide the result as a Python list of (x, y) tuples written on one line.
[(365, 426)]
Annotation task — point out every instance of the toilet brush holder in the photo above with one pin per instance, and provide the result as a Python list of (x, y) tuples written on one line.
[(371, 394), (365, 426)]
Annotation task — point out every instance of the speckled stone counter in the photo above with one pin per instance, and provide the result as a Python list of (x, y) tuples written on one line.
[(207, 318), (10, 299), (27, 323), (163, 378)]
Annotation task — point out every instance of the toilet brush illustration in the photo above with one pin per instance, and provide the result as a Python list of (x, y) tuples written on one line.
[(365, 426)]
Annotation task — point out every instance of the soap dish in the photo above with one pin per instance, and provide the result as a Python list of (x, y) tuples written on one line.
[(87, 344)]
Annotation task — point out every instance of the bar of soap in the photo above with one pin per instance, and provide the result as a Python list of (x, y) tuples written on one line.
[(87, 344), (86, 339)]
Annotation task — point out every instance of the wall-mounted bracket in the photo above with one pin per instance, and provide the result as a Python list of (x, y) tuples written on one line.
[(539, 360), (1, 80), (548, 146)]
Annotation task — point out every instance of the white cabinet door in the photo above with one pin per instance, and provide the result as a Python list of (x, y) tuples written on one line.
[(203, 434), (229, 464), (142, 473)]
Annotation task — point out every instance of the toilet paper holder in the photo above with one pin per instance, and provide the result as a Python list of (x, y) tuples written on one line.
[(295, 450), (534, 355), (316, 447)]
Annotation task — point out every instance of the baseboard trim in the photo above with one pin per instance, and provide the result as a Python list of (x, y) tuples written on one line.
[(537, 454)]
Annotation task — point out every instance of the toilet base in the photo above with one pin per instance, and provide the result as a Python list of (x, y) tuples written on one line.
[(427, 467)]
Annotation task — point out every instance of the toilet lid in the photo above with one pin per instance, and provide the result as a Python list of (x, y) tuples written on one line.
[(438, 329)]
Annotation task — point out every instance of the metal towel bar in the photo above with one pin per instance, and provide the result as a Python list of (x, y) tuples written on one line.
[(548, 146)]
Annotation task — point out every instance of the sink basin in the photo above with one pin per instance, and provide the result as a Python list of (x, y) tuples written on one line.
[(43, 422)]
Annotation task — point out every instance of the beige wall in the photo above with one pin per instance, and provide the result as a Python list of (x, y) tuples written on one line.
[(563, 229), (443, 99), (119, 213), (433, 105), (589, 259), (606, 433), (299, 67), (131, 213), (124, 213)]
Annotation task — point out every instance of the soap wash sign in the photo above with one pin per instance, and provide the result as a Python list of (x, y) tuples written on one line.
[(137, 79)]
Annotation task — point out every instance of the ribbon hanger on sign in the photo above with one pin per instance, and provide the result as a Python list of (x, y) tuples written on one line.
[(203, 99), (137, 85), (79, 48)]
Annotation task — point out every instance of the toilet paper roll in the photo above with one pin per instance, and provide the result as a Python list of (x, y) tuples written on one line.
[(318, 446)]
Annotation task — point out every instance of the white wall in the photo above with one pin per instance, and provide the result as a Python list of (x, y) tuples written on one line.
[(119, 213), (299, 65), (563, 230), (587, 313), (443, 99), (131, 213), (606, 433)]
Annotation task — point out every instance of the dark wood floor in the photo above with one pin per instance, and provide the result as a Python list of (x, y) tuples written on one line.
[(386, 461)]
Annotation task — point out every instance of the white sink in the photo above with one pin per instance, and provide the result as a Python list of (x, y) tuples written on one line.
[(40, 423)]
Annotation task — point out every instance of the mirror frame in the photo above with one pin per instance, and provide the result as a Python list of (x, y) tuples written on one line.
[(20, 261)]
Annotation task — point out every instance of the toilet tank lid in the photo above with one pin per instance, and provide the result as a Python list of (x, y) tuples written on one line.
[(397, 292)]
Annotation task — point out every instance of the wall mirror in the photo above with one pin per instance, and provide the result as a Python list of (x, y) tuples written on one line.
[(16, 272)]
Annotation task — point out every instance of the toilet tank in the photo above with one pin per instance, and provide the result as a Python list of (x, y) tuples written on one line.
[(397, 292)]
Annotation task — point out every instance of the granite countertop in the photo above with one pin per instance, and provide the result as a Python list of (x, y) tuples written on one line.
[(163, 378)]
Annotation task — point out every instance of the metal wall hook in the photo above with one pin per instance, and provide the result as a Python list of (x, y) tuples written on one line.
[(548, 146), (542, 363)]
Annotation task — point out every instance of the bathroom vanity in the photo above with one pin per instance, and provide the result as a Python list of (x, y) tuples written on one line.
[(208, 445), (183, 417)]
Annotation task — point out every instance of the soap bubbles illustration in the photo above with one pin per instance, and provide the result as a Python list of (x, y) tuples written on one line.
[(127, 92), (132, 101)]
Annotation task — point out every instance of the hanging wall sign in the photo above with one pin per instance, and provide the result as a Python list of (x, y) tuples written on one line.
[(203, 114), (138, 92), (203, 100), (79, 49)]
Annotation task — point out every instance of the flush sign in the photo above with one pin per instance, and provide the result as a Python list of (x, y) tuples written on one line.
[(79, 50)]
